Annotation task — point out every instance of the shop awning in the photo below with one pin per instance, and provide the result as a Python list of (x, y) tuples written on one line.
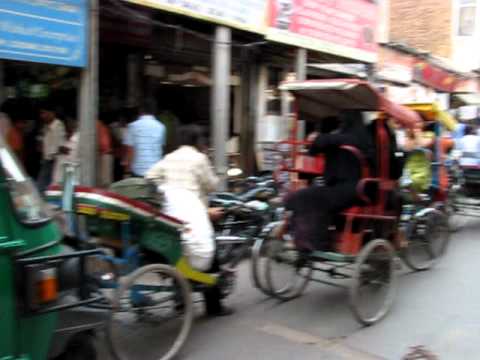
[(354, 70), (316, 99), (466, 99)]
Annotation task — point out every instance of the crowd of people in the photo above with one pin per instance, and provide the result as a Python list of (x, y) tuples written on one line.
[(44, 139), (131, 146)]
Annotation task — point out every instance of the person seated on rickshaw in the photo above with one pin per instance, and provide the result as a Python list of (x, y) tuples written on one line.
[(186, 177), (417, 174), (469, 147), (312, 208)]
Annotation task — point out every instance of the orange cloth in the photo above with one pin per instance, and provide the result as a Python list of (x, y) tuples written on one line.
[(15, 140), (104, 139), (446, 144)]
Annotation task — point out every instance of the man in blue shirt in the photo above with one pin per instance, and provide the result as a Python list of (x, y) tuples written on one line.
[(144, 141)]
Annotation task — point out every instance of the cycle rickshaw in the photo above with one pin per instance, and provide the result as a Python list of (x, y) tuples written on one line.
[(464, 195), (365, 236), (439, 122), (146, 276), (436, 124)]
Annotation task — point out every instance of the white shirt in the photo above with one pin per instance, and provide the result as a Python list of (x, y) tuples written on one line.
[(469, 145), (71, 157), (400, 138), (147, 137), (53, 138), (186, 168)]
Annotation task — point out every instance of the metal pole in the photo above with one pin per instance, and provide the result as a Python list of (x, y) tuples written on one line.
[(2, 83), (301, 75), (220, 108), (250, 82), (88, 104), (284, 100), (301, 64)]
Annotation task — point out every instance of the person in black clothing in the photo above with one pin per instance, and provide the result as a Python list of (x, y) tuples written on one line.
[(312, 208)]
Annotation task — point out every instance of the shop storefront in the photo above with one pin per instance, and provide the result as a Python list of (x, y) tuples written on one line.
[(219, 63), (191, 75), (43, 49)]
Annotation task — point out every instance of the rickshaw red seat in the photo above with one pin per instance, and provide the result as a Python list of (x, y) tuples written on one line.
[(312, 165)]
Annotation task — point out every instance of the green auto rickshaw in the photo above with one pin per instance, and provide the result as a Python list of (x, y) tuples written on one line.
[(45, 290)]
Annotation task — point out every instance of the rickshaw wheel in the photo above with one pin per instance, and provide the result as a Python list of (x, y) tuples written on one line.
[(433, 235), (257, 264), (451, 211), (287, 271), (419, 254), (438, 232), (374, 282), (150, 319)]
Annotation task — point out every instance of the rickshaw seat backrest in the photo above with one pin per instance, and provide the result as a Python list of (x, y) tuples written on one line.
[(368, 187), (372, 191), (362, 160), (368, 190)]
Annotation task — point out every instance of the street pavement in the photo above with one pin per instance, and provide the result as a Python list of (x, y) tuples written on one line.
[(438, 309)]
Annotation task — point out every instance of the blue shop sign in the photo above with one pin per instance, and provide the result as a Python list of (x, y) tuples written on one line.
[(44, 31)]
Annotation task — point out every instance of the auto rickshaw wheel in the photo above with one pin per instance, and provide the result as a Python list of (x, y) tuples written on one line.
[(287, 270), (374, 282), (152, 314), (81, 346)]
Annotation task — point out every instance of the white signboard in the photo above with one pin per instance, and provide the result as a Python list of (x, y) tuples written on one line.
[(242, 14)]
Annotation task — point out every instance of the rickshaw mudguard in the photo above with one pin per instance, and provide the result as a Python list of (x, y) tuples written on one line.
[(191, 274)]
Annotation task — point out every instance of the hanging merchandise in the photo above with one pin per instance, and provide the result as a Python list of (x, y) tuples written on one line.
[(38, 91)]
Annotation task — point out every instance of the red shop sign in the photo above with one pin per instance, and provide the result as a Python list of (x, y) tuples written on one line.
[(341, 27), (434, 77)]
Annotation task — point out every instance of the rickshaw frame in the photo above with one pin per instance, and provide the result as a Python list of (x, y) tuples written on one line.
[(127, 265), (317, 99)]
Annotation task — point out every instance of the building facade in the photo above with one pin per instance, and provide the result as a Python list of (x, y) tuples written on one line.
[(466, 34), (423, 25), (448, 29)]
